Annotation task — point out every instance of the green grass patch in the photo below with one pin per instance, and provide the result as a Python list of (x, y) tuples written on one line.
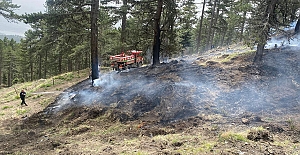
[(45, 102), (232, 137), (115, 129), (46, 85), (7, 107), (186, 144), (37, 96), (236, 55), (22, 111), (65, 77), (17, 97), (10, 96), (59, 89), (2, 114)]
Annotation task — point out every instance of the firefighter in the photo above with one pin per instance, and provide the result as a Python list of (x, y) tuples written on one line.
[(22, 96)]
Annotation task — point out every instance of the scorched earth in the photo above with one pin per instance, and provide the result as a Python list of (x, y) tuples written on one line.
[(214, 103)]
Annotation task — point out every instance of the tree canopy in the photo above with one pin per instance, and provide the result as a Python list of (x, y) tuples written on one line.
[(7, 10), (59, 40)]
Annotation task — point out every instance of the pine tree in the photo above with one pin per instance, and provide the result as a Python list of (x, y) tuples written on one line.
[(269, 17), (7, 10)]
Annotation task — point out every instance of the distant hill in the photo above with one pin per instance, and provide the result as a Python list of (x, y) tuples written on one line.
[(17, 38)]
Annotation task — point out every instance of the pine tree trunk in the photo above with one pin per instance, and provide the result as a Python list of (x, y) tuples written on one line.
[(215, 23), (297, 27), (243, 26), (70, 65), (223, 37), (156, 44), (259, 53), (78, 64), (200, 28), (0, 77), (45, 65), (40, 66), (9, 73), (124, 18), (94, 38), (1, 60), (265, 31), (208, 43), (31, 69), (86, 59), (60, 62)]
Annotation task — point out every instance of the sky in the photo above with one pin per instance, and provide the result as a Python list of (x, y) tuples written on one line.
[(28, 6)]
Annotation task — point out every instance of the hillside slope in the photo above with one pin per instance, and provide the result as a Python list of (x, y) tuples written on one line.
[(213, 103)]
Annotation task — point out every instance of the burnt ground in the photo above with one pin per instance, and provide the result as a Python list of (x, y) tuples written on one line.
[(200, 104)]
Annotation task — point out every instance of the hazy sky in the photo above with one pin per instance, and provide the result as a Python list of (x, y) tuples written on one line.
[(27, 6)]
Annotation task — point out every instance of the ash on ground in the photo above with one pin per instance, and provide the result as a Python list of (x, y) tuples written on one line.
[(182, 88)]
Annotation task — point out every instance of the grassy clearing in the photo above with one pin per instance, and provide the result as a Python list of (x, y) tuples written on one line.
[(9, 97)]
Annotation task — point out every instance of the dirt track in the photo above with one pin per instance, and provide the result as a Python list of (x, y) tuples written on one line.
[(179, 98)]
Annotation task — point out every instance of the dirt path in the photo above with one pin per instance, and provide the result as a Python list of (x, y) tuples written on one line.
[(47, 92)]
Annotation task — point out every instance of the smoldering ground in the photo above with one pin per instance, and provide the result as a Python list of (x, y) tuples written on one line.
[(282, 41), (181, 89)]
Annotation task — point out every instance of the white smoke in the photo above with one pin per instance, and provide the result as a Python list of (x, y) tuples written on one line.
[(283, 42), (184, 84)]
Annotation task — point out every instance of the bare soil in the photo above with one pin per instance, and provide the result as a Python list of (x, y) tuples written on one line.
[(213, 103)]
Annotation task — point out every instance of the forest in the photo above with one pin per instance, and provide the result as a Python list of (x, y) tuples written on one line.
[(60, 38)]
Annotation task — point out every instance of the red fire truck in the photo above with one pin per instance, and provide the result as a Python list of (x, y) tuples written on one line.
[(124, 61)]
